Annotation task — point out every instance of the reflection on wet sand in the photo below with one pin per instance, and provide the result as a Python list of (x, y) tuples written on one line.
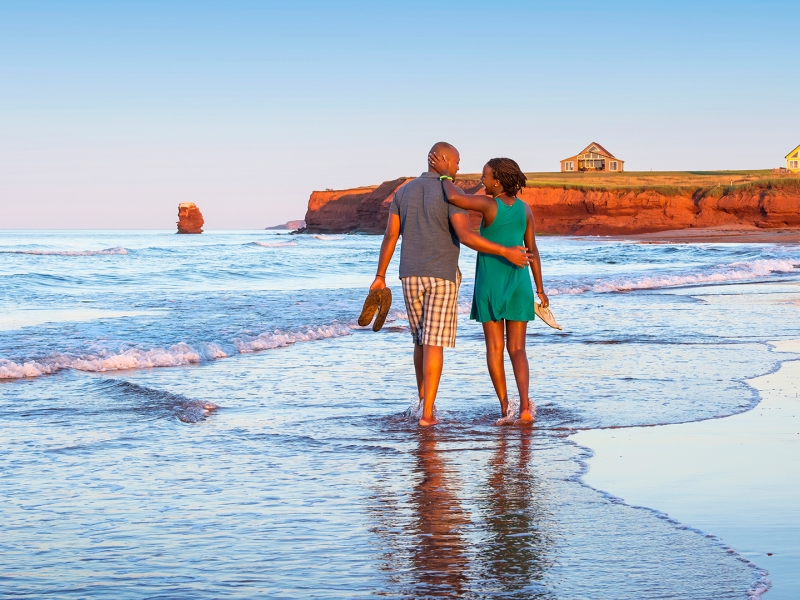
[(440, 556), (471, 531), (515, 547)]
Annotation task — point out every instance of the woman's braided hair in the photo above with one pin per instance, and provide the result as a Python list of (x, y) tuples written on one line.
[(508, 173)]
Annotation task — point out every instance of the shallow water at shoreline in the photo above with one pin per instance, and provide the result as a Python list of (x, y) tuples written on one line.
[(738, 477), (307, 480)]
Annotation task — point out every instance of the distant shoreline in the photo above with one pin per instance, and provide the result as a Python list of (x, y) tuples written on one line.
[(715, 235)]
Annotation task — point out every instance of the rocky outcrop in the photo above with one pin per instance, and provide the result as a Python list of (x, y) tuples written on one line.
[(586, 211), (298, 224), (362, 210), (359, 210), (190, 219)]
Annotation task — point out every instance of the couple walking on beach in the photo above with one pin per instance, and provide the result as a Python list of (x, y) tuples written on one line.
[(431, 214)]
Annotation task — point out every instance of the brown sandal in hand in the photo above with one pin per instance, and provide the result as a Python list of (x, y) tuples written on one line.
[(378, 301), (386, 304), (371, 305)]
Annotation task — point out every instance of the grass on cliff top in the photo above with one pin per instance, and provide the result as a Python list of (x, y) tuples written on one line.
[(669, 183)]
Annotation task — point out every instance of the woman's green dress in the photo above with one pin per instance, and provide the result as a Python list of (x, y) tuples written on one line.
[(502, 289)]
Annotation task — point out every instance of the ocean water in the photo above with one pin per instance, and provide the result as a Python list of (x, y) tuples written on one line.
[(200, 417)]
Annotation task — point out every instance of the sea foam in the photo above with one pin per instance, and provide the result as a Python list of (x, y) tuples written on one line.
[(118, 250), (268, 341), (738, 271), (177, 355), (275, 244)]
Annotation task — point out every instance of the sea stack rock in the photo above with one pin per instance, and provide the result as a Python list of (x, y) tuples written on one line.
[(190, 219)]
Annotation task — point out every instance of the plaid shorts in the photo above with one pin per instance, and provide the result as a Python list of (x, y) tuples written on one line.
[(432, 306)]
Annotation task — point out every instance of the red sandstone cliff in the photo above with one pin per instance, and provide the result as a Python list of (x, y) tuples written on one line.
[(614, 212), (190, 220), (363, 210), (359, 210), (563, 210)]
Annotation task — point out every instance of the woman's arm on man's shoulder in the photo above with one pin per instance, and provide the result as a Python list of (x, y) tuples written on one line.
[(486, 205), (456, 196)]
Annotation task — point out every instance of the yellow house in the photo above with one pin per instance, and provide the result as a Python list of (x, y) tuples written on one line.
[(793, 160)]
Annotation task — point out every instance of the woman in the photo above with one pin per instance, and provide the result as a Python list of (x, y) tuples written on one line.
[(503, 299)]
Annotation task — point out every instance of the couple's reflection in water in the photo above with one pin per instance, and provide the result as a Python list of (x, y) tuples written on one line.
[(515, 551), (441, 556), (475, 528)]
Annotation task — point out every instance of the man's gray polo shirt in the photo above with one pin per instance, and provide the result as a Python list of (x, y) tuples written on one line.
[(430, 245)]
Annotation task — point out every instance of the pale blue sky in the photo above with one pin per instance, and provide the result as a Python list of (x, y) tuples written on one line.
[(113, 112)]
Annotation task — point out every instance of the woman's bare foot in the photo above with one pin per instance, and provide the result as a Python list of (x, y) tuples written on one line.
[(508, 419), (424, 422), (506, 412), (526, 417), (504, 407)]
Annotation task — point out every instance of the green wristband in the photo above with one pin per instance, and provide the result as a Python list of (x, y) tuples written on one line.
[(443, 177)]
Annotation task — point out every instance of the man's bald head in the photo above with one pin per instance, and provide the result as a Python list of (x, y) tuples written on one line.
[(443, 148), (449, 153)]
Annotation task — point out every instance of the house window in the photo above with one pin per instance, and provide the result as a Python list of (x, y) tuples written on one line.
[(793, 164), (612, 166)]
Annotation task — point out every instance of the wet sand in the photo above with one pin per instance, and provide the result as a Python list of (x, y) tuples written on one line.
[(737, 478), (717, 235)]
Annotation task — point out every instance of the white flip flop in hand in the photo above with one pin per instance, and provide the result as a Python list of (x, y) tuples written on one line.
[(546, 315)]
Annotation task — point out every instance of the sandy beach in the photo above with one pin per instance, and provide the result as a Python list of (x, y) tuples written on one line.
[(737, 478), (717, 235)]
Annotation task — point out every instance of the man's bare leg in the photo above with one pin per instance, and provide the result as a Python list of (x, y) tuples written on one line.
[(495, 344), (432, 360), (515, 332), (418, 371)]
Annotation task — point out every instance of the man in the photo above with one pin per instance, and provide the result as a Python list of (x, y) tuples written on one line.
[(432, 229)]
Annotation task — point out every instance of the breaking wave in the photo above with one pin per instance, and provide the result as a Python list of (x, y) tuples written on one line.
[(275, 244), (327, 238), (157, 402), (118, 250), (174, 356), (269, 341), (739, 271)]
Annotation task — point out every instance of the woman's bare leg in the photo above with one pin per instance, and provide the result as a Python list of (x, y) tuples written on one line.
[(493, 333), (515, 331)]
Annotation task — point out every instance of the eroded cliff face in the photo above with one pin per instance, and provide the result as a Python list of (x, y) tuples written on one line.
[(361, 210), (584, 212), (615, 212), (190, 219)]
